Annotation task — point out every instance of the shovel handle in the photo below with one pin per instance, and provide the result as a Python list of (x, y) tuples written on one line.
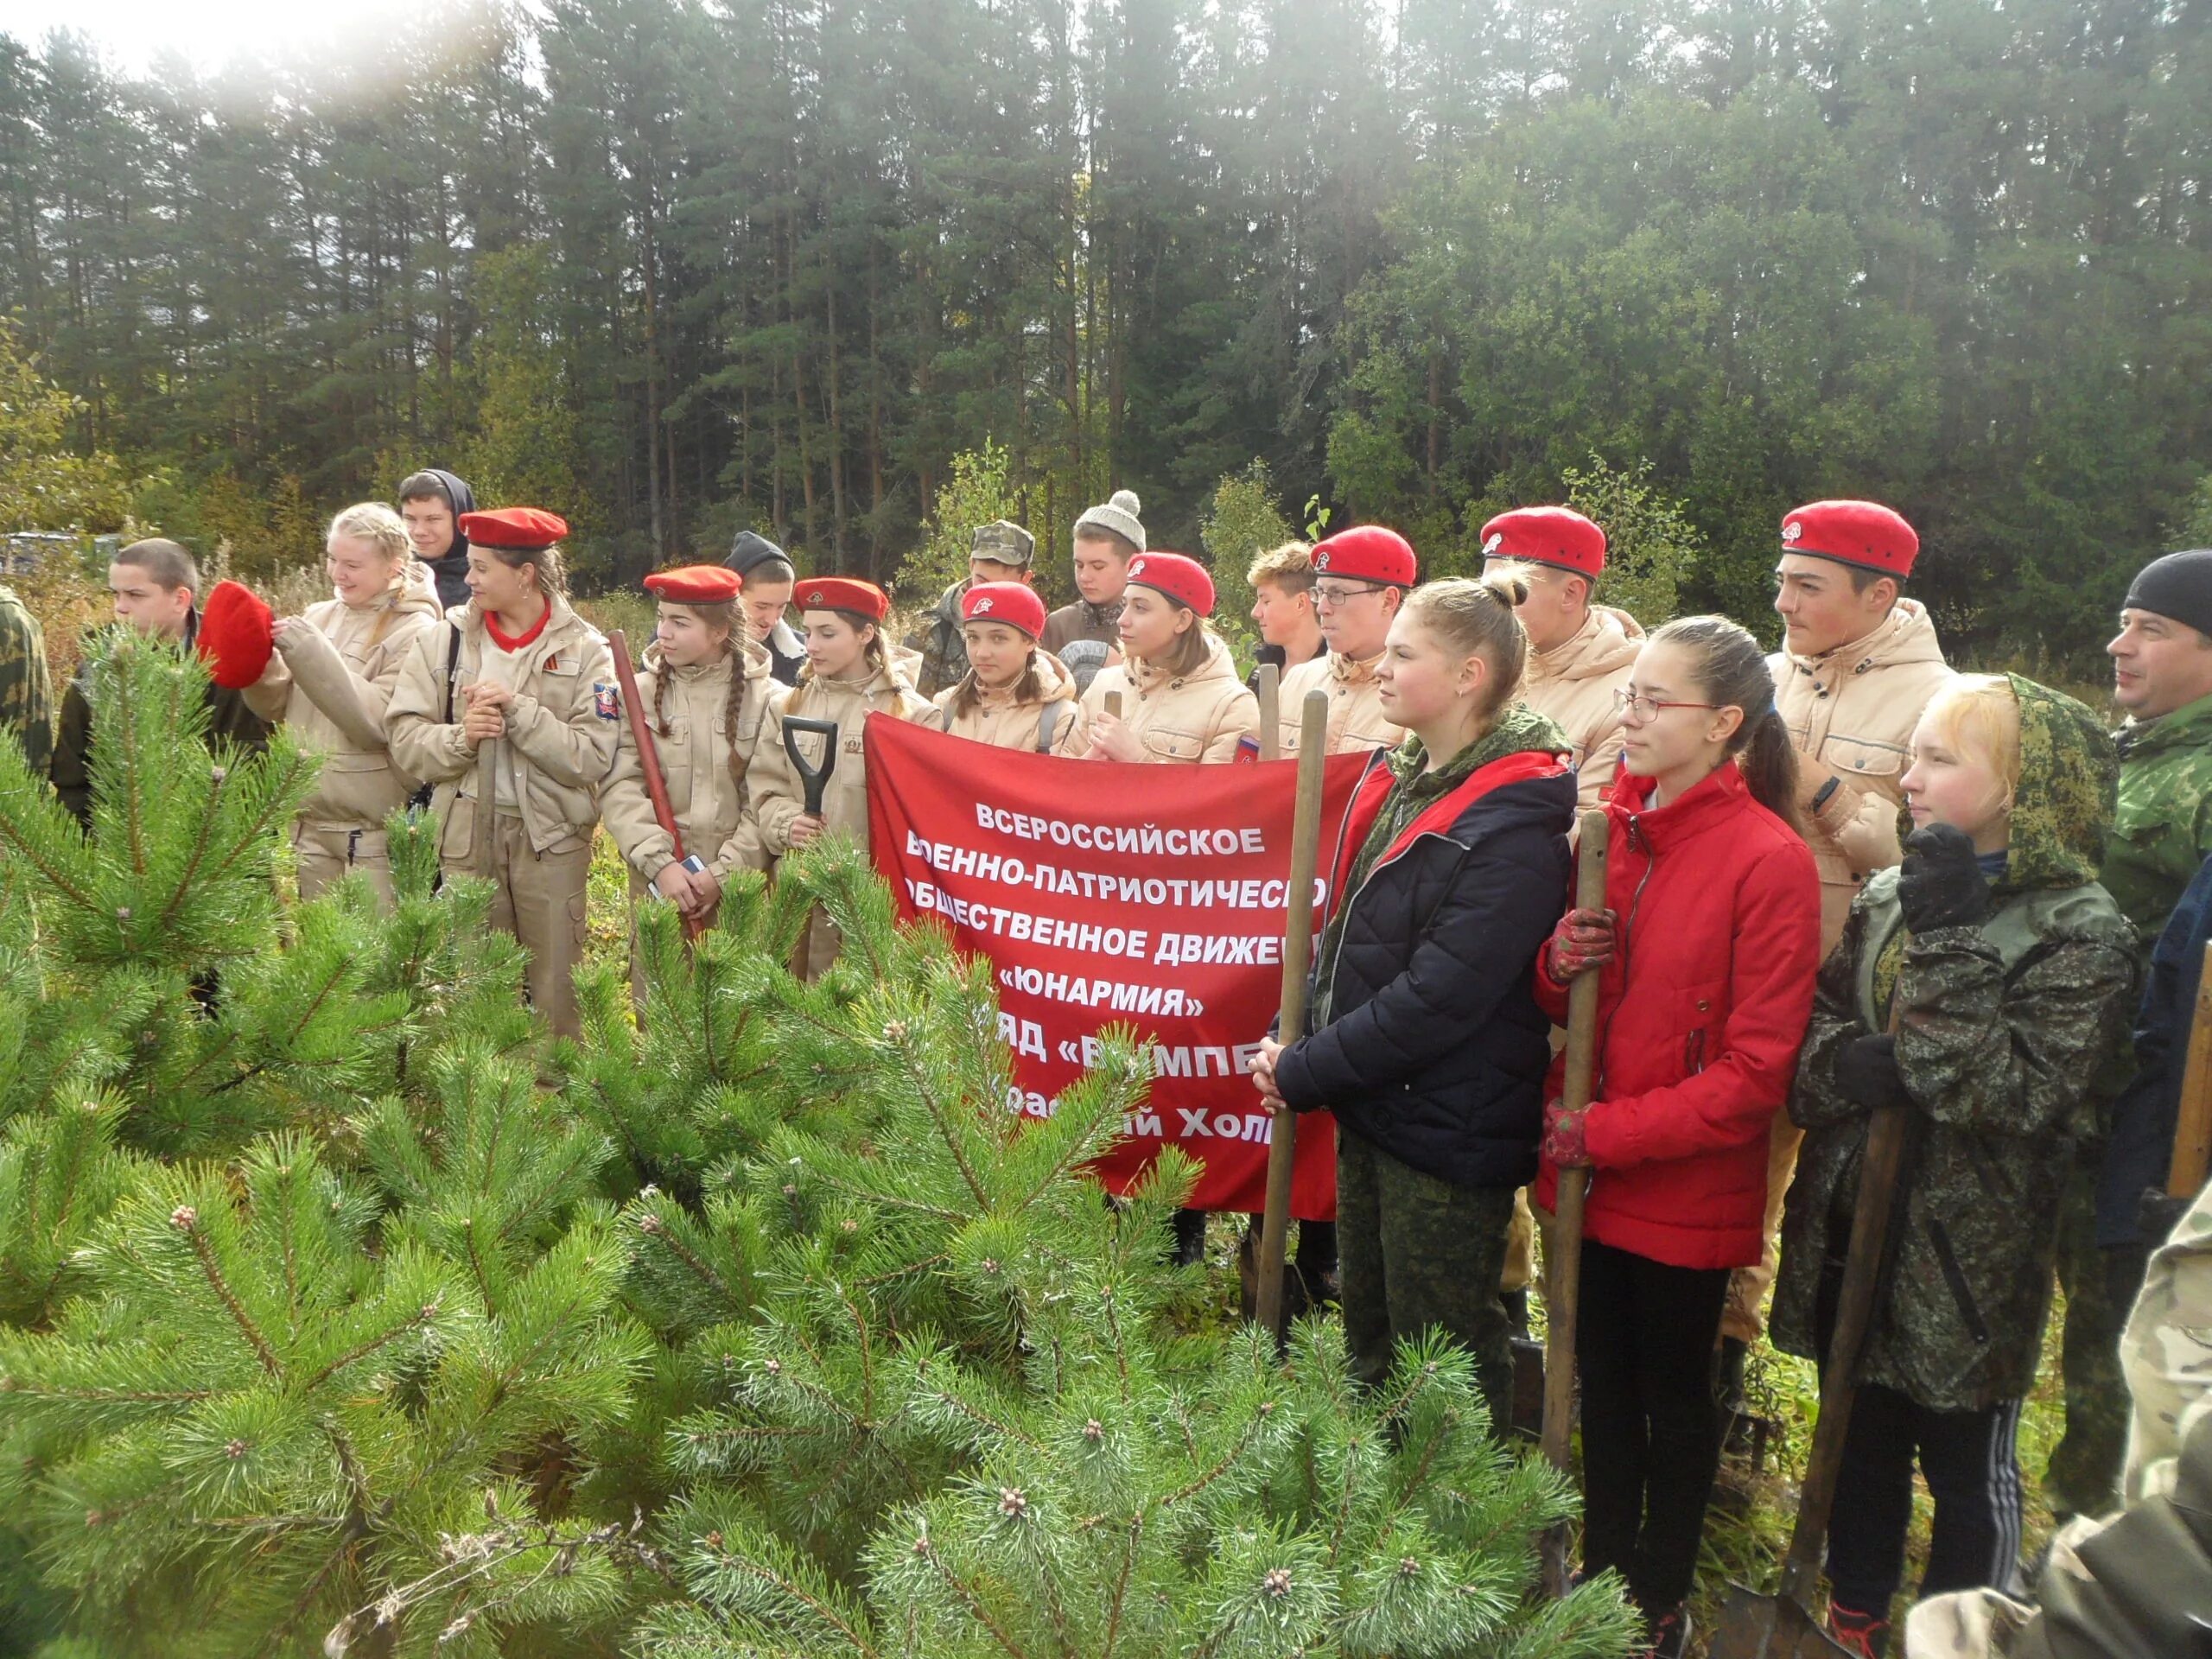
[(1114, 704), (1563, 1250), (1888, 1139), (2193, 1123), (1267, 688), (812, 780), (1296, 958)]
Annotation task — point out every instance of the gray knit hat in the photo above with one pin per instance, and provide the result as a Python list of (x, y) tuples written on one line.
[(1004, 541), (1118, 515)]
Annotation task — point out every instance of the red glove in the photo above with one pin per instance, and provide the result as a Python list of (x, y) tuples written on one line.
[(1584, 938), (1563, 1143)]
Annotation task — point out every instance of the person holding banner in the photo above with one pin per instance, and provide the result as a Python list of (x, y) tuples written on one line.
[(1176, 686), (705, 686), (1428, 1042), (1706, 953), (849, 675), (1015, 693), (1361, 577)]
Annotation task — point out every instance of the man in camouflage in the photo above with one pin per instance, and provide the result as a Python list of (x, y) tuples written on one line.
[(26, 696), (1000, 551), (2162, 831), (2140, 1582)]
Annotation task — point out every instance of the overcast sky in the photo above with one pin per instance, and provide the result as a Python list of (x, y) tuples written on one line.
[(208, 32)]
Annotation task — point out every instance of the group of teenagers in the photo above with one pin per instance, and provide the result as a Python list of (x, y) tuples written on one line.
[(1839, 876)]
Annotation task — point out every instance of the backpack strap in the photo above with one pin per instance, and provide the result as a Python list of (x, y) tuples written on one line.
[(453, 666), (1048, 719)]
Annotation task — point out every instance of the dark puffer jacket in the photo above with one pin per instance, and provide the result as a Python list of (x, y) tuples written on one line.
[(1429, 1043)]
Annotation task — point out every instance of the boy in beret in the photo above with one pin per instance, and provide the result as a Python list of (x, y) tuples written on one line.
[(1361, 577), (155, 586), (999, 551)]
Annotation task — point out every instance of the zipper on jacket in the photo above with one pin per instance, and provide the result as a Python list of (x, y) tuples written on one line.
[(1637, 842)]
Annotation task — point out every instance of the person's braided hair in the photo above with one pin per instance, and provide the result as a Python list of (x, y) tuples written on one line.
[(723, 614)]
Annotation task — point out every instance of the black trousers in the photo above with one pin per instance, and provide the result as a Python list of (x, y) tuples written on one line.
[(1973, 1472), (1643, 1342)]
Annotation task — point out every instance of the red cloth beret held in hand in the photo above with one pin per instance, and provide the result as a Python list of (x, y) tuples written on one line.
[(236, 634)]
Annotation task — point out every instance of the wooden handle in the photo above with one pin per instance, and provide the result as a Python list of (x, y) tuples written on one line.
[(1114, 704), (1297, 959), (2193, 1123), (1270, 695), (626, 676), (1563, 1250)]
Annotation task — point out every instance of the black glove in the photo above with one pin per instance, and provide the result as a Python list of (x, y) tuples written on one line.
[(2157, 1215), (1941, 885), (1867, 1073)]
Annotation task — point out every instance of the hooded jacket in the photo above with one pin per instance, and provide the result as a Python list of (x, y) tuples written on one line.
[(1699, 1015), (1852, 710), (1574, 683), (1198, 717), (561, 731), (703, 764), (1356, 719), (331, 682), (1429, 1044), (449, 570), (997, 718), (2005, 1027)]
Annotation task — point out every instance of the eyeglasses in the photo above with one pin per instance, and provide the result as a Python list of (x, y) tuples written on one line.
[(1644, 708), (1334, 593)]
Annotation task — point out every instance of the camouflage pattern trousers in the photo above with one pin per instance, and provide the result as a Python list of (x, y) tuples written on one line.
[(1413, 1251), (2083, 1474)]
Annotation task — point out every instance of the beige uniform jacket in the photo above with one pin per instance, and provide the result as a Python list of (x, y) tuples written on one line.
[(1356, 722), (560, 740), (1851, 712), (1573, 683), (1198, 716), (997, 719), (703, 764), (332, 684)]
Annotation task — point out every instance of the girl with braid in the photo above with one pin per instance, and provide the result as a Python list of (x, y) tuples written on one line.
[(704, 685)]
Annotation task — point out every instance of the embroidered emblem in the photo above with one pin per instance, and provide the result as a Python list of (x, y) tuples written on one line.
[(604, 702)]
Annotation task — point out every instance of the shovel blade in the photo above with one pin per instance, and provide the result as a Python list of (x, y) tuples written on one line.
[(1753, 1626)]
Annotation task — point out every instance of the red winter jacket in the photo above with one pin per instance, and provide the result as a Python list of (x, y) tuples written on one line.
[(1700, 1017)]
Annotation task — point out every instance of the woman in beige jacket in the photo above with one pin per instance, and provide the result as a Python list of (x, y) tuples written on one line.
[(510, 712), (330, 679), (848, 674), (1015, 694), (704, 686), (1180, 698)]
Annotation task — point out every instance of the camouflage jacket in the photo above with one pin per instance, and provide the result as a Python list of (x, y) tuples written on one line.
[(2004, 1026), (944, 647), (26, 696), (2162, 829)]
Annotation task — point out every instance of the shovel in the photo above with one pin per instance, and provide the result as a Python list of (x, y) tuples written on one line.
[(1563, 1250), (1783, 1625), (1296, 958), (2193, 1122), (813, 780)]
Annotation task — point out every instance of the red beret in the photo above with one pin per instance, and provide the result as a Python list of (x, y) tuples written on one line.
[(514, 527), (1367, 553), (842, 593), (696, 584), (1183, 579), (1864, 533), (235, 635), (1558, 536), (1013, 603)]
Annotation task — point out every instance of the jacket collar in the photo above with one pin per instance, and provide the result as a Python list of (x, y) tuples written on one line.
[(2187, 727), (1717, 796), (1905, 635), (1347, 671)]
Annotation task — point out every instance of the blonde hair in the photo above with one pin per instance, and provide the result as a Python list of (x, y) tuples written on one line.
[(1473, 616), (552, 575), (377, 524), (1289, 567), (1979, 715)]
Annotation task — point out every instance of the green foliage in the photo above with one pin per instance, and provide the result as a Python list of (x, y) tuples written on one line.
[(979, 491), (1652, 549), (42, 486), (1241, 521), (340, 1315)]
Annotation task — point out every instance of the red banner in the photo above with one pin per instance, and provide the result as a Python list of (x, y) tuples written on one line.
[(1149, 896)]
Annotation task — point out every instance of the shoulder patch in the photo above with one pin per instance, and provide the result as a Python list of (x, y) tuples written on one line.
[(605, 702)]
